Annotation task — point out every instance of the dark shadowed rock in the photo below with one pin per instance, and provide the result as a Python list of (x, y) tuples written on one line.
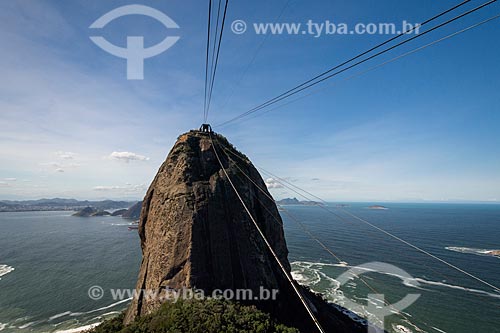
[(86, 212), (133, 212), (91, 212), (288, 201), (101, 213), (119, 212), (195, 233)]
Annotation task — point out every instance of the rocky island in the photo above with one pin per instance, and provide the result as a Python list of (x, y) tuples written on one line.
[(378, 207), (90, 212), (295, 201), (130, 213), (495, 253)]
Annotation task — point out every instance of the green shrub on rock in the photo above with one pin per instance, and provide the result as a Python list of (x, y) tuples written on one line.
[(207, 316)]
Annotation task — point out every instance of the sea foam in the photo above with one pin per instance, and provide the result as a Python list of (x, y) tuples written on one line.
[(401, 329), (451, 286), (79, 329), (5, 269), (60, 315), (468, 250), (76, 314)]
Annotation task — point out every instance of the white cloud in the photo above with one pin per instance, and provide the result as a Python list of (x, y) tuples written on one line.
[(4, 184), (127, 156), (272, 183), (10, 179), (65, 155), (124, 189), (60, 167), (107, 188), (55, 106)]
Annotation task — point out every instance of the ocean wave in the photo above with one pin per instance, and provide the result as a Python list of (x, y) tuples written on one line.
[(29, 324), (78, 329), (479, 252), (411, 326), (305, 276), (451, 286), (2, 326), (401, 329), (59, 315), (307, 273), (5, 269), (78, 314), (21, 325), (75, 314), (409, 282), (22, 319), (91, 323), (106, 315)]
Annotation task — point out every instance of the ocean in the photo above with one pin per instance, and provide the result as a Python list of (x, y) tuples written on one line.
[(49, 260)]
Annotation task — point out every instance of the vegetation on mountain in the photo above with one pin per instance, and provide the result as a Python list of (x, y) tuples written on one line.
[(208, 316)]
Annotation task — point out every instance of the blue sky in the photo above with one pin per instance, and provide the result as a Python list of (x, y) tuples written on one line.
[(423, 128)]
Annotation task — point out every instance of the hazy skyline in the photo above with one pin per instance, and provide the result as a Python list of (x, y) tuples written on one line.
[(422, 128)]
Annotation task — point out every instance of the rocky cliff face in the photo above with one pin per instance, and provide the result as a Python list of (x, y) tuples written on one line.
[(195, 234)]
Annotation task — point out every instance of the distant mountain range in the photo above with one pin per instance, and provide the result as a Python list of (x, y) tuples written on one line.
[(58, 204)]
